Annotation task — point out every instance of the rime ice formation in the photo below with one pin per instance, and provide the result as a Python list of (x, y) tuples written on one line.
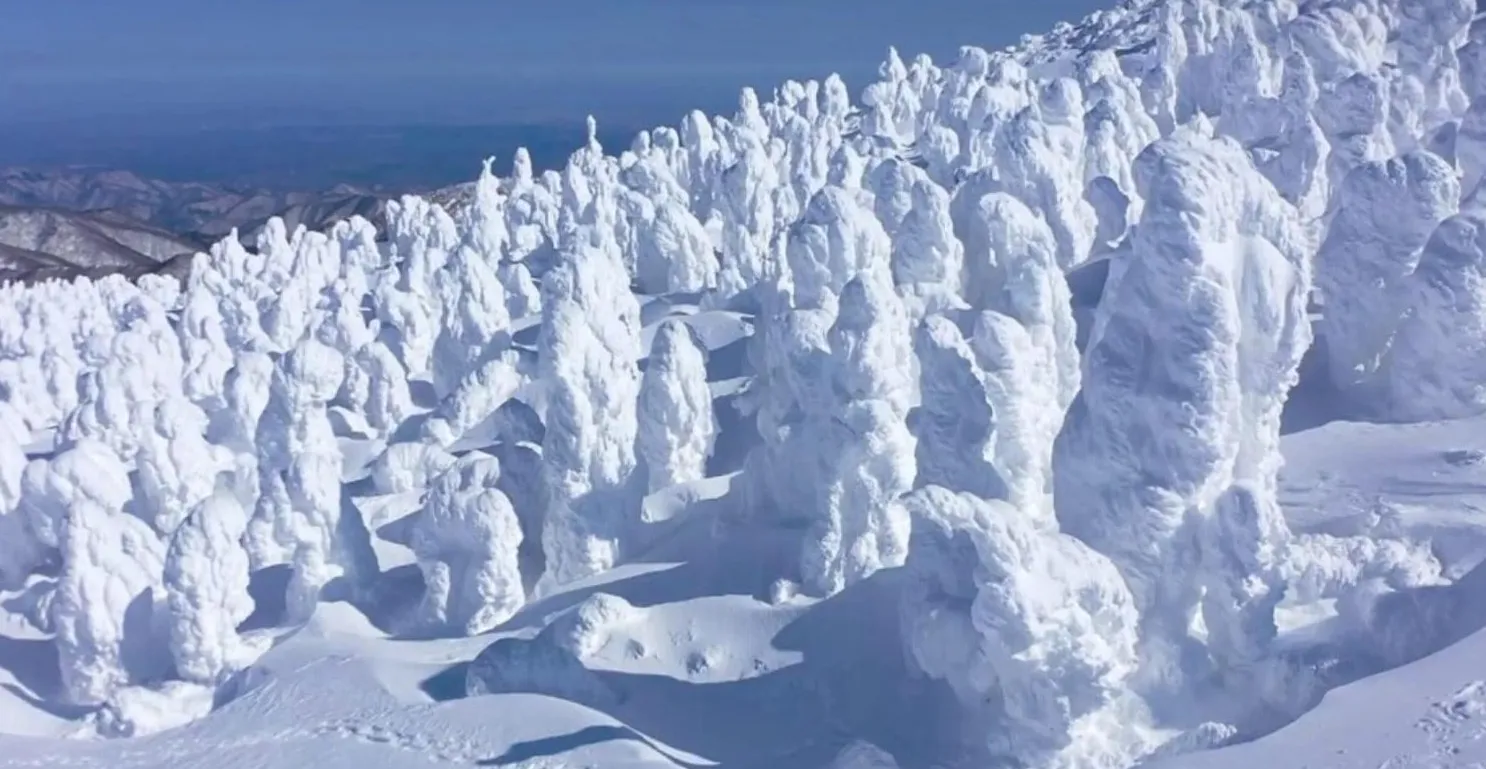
[(298, 516), (956, 424), (1385, 212), (477, 396), (588, 627), (466, 540), (676, 423), (405, 467), (1079, 528), (1033, 630), (206, 590), (1435, 367), (589, 348), (865, 457), (107, 591), (1011, 268), (1203, 327)]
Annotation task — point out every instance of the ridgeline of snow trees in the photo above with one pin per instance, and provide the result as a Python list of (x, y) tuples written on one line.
[(1080, 527)]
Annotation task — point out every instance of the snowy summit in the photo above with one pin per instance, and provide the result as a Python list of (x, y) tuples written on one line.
[(1118, 399)]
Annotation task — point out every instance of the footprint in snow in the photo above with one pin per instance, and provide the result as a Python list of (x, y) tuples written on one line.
[(1448, 715), (441, 751)]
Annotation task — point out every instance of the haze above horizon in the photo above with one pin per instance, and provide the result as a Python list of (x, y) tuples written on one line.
[(323, 62)]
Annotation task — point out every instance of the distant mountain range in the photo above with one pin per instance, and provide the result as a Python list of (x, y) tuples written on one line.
[(189, 187), (56, 223)]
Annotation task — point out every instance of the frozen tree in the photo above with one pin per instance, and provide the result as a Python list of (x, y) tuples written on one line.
[(466, 540), (388, 401), (955, 423), (1182, 395), (1436, 365), (588, 350), (20, 551), (865, 451), (176, 467), (676, 423), (1038, 156), (1384, 216), (405, 467), (1034, 631), (790, 354), (478, 395), (208, 356), (835, 238), (1028, 413), (473, 318), (206, 591), (298, 514), (1011, 268), (927, 258), (744, 202), (111, 566)]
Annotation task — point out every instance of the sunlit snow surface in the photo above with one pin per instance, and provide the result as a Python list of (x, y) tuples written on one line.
[(1118, 399)]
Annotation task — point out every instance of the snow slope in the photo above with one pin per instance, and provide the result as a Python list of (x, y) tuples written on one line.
[(1115, 400)]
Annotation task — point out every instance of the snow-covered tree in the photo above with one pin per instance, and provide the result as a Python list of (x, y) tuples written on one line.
[(1385, 213), (865, 453), (589, 349), (676, 423), (466, 539), (1435, 367), (955, 423), (206, 590), (298, 515), (1182, 395), (1033, 630), (111, 568)]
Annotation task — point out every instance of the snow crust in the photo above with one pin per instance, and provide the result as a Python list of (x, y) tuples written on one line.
[(822, 409)]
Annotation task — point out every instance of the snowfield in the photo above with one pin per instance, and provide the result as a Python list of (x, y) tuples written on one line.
[(1116, 400)]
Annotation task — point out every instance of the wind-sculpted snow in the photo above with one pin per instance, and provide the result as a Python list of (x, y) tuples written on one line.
[(865, 456), (112, 565), (1035, 631), (1385, 213), (1194, 349), (588, 349), (466, 541), (677, 425), (206, 589), (1078, 519), (1436, 365)]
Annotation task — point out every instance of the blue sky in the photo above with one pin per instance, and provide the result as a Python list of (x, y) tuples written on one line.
[(437, 61)]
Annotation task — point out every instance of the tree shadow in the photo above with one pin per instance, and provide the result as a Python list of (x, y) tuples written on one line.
[(34, 664), (268, 587), (848, 685), (446, 685), (690, 559), (737, 435), (391, 599), (1313, 401), (422, 393), (729, 361), (549, 747)]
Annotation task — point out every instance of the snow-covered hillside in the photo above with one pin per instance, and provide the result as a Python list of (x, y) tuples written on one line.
[(1098, 403)]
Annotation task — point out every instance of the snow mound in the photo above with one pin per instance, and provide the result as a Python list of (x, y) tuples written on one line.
[(537, 666)]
